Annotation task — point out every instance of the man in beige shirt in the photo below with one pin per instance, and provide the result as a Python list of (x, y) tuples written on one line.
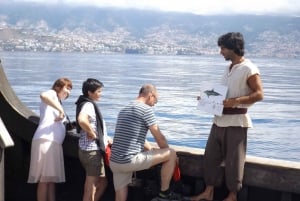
[(228, 136)]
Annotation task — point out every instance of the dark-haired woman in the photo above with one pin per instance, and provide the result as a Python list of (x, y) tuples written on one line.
[(93, 139)]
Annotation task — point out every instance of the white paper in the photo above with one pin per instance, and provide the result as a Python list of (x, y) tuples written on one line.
[(212, 96)]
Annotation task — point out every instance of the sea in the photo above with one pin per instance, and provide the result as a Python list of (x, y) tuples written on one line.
[(178, 79)]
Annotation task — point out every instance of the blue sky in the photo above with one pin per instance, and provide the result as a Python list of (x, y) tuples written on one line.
[(204, 7)]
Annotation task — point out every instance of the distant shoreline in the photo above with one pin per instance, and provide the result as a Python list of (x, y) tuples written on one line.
[(108, 31)]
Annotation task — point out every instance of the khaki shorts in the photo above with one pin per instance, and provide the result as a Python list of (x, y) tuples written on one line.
[(122, 173), (92, 162)]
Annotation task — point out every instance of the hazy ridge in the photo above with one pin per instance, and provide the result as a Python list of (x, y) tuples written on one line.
[(265, 35)]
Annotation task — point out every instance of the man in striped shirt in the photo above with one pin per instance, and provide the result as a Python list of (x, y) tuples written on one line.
[(130, 151)]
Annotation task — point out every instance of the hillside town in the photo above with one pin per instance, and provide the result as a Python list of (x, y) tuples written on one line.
[(160, 40)]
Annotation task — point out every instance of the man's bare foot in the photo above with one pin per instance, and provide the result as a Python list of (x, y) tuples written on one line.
[(206, 195), (231, 197)]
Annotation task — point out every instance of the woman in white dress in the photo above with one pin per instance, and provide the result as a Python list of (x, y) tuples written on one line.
[(47, 162)]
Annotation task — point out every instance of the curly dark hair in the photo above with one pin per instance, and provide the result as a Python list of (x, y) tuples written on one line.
[(233, 41)]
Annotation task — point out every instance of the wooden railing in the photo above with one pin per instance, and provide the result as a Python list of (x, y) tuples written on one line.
[(5, 141), (265, 173)]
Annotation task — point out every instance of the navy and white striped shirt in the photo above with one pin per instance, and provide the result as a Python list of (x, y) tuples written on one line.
[(132, 126)]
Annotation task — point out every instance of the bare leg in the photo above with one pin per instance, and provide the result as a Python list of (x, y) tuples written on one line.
[(232, 196), (51, 191), (42, 191), (100, 188), (89, 188), (121, 194), (168, 159), (167, 171), (208, 194)]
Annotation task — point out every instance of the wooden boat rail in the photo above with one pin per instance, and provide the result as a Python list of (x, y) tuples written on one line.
[(261, 172)]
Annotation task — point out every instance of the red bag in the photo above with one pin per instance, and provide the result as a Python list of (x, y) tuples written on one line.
[(107, 154), (176, 174)]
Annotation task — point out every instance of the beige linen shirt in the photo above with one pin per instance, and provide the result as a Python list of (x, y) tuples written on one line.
[(236, 81)]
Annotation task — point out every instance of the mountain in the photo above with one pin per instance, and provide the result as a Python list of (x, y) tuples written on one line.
[(143, 29)]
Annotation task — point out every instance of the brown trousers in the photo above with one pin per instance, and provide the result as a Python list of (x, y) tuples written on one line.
[(226, 144)]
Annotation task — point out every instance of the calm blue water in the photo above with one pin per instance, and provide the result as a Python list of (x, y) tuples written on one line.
[(178, 79)]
